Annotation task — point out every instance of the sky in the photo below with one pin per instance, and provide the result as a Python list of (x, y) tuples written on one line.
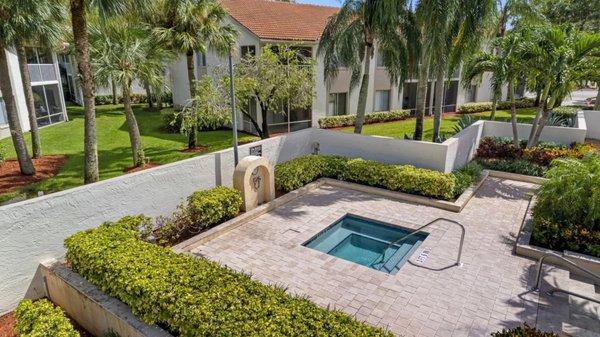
[(334, 3)]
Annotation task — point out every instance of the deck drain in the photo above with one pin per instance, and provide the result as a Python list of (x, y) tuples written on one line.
[(423, 256)]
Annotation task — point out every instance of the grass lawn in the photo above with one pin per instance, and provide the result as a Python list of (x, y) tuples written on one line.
[(114, 149), (399, 128)]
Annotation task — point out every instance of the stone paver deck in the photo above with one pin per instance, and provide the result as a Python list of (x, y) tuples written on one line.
[(489, 292)]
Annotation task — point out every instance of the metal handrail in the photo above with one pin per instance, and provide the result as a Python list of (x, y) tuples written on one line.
[(460, 248), (538, 277)]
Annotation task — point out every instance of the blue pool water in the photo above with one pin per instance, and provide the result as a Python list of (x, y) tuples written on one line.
[(366, 242)]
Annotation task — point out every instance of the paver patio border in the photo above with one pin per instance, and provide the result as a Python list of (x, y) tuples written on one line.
[(453, 206), (523, 247), (517, 177)]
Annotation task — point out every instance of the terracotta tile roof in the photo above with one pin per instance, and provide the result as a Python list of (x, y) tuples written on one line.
[(276, 20)]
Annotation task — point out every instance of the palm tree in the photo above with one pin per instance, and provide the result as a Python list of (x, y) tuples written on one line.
[(455, 34), (349, 41), (79, 25), (558, 57), (43, 27), (122, 52), (189, 26), (11, 13)]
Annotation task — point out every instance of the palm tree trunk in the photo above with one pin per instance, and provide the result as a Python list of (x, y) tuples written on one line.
[(36, 144), (421, 97), (82, 55), (439, 102), (149, 96), (132, 126), (494, 106), (597, 105), (538, 115), (364, 89), (513, 113), (542, 123), (192, 132), (25, 163), (114, 92)]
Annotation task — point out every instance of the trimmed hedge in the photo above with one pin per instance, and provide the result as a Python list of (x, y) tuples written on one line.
[(42, 318), (465, 177), (191, 296), (567, 213), (475, 107), (370, 118), (523, 331), (203, 210), (300, 171)]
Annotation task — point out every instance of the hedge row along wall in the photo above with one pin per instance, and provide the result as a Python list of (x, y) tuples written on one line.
[(42, 318), (195, 297), (370, 118)]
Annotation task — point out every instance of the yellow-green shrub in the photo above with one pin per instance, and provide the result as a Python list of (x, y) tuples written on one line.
[(370, 118), (300, 171), (191, 296), (42, 318)]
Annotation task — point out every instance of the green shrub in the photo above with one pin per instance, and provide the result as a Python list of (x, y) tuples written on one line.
[(465, 177), (476, 107), (42, 318), (300, 171), (370, 118), (171, 121), (519, 166), (567, 212), (3, 154), (203, 210), (191, 296), (523, 331), (108, 99), (498, 147)]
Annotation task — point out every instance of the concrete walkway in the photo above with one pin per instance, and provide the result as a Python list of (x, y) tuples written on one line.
[(488, 293)]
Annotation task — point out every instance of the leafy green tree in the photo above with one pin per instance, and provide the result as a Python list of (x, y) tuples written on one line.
[(189, 26), (455, 33), (12, 15), (585, 15), (278, 78), (43, 27), (349, 41), (79, 17), (559, 57), (122, 51)]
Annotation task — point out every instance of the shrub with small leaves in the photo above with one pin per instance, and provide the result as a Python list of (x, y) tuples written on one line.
[(370, 118), (300, 171), (191, 296), (498, 147), (519, 166), (476, 107), (523, 331), (3, 154), (465, 177), (42, 318)]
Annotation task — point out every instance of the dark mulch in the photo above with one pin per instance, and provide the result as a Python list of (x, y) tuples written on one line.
[(132, 169), (197, 149), (46, 167)]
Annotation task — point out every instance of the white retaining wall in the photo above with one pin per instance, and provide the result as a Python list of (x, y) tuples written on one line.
[(33, 230), (592, 118)]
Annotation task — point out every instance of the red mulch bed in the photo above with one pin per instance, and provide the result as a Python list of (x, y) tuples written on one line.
[(197, 149), (132, 169), (46, 167)]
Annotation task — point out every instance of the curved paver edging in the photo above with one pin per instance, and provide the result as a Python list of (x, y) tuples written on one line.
[(453, 206), (523, 247)]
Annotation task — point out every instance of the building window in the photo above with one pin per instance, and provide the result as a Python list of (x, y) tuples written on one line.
[(48, 108), (3, 117), (382, 100), (337, 104), (380, 63), (38, 56), (201, 59), (248, 51)]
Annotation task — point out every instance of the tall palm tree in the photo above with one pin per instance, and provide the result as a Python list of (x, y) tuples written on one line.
[(559, 57), (11, 13), (350, 38), (456, 33), (42, 28), (189, 26), (79, 19), (122, 51)]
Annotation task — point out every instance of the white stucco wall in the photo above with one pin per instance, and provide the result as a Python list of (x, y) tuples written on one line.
[(592, 119)]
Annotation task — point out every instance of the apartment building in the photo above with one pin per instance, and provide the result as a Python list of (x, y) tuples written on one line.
[(262, 22), (47, 89)]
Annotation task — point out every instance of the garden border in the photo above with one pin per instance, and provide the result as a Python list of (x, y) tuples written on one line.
[(227, 226), (90, 307), (524, 248)]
